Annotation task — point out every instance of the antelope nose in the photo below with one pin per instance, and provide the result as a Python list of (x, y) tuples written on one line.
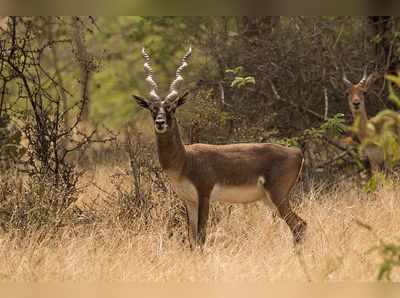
[(160, 121)]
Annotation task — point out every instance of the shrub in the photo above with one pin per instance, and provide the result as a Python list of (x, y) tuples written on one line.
[(31, 204)]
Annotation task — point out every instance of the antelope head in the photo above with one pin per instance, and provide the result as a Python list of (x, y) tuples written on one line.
[(163, 109), (356, 92)]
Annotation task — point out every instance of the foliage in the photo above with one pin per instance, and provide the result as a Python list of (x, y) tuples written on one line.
[(390, 253), (383, 130), (203, 120), (392, 93), (50, 115), (120, 41), (240, 80), (51, 111), (304, 57), (332, 127), (374, 183)]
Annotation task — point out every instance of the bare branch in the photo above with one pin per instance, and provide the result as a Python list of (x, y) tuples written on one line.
[(326, 103), (221, 88)]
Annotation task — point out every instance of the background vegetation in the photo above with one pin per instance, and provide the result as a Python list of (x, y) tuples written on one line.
[(81, 192)]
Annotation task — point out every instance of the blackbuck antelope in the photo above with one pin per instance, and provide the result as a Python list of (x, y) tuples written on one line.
[(356, 97), (235, 173)]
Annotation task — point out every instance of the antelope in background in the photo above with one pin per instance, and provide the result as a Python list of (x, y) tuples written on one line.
[(235, 173), (356, 97)]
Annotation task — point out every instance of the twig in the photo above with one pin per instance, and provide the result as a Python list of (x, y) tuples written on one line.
[(326, 104), (3, 92), (221, 88)]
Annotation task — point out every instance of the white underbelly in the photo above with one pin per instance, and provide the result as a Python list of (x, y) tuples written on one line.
[(248, 193), (237, 194)]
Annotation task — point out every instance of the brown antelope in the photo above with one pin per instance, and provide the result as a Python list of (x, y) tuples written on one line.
[(235, 173), (356, 98)]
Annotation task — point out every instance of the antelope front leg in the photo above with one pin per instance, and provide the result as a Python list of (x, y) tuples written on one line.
[(204, 207), (192, 211)]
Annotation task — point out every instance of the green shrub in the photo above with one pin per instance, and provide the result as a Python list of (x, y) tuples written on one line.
[(332, 127)]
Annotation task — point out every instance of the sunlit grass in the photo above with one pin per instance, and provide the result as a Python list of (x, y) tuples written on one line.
[(246, 244)]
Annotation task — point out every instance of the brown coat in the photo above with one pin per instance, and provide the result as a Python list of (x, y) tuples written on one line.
[(235, 173)]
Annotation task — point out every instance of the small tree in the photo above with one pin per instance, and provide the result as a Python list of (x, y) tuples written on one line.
[(42, 105)]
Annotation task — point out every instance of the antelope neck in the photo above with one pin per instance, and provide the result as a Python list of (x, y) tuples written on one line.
[(171, 151), (362, 123)]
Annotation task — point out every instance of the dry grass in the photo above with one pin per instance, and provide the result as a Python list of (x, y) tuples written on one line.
[(246, 244)]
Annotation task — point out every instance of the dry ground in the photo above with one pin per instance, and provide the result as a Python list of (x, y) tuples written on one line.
[(247, 245)]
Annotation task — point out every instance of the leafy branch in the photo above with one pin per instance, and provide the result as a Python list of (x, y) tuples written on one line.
[(240, 80), (332, 127)]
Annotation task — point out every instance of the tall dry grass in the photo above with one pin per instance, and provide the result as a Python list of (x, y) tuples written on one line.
[(244, 242)]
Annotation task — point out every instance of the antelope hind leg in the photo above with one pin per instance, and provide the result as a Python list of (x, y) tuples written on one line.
[(296, 224)]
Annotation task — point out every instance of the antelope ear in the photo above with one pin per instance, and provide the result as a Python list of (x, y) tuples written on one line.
[(141, 101), (181, 100)]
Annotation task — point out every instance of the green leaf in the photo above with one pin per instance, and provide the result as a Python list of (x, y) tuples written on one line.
[(250, 80), (384, 270), (393, 96), (394, 79), (236, 81)]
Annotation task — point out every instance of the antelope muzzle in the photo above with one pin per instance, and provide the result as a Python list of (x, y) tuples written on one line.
[(356, 105), (160, 123)]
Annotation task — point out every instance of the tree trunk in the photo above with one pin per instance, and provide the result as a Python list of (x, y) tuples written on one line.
[(85, 65), (58, 75)]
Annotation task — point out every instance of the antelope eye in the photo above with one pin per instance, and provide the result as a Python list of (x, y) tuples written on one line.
[(153, 111), (154, 108), (169, 108)]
